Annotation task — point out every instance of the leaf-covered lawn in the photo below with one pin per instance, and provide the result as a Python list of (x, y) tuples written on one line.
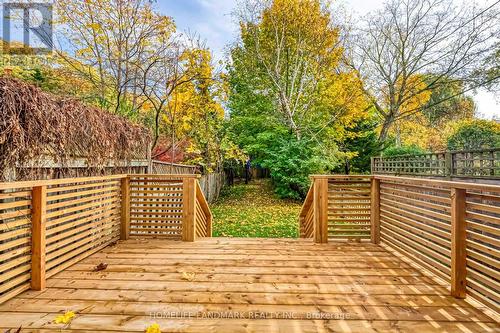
[(253, 210)]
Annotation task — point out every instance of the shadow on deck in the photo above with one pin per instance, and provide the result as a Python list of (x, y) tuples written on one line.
[(245, 285)]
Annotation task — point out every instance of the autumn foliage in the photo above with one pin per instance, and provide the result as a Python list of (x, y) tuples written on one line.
[(35, 124)]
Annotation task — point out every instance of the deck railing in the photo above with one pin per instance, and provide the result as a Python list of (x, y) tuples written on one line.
[(450, 228), (337, 207), (46, 226), (306, 216)]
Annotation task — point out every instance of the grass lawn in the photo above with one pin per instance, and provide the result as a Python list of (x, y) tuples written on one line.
[(253, 210)]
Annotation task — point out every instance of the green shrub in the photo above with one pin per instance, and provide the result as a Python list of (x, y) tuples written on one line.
[(403, 150), (475, 134), (291, 162)]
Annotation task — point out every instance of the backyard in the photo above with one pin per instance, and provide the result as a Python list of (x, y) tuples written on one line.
[(253, 210)]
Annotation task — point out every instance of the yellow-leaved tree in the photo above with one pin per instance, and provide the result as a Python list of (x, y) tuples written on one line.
[(292, 100)]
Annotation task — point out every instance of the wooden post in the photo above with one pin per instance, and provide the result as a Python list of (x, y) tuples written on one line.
[(209, 225), (149, 158), (320, 203), (448, 164), (188, 209), (375, 211), (125, 211), (458, 243), (38, 239)]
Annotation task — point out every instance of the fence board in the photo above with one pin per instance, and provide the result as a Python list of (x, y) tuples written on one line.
[(484, 163)]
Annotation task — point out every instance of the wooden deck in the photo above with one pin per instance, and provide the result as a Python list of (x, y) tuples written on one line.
[(245, 285)]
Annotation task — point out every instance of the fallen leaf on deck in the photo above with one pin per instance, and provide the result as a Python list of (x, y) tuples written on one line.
[(154, 328), (65, 318), (188, 276), (102, 266)]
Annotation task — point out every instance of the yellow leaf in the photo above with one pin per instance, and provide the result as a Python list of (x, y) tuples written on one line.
[(65, 318), (153, 328), (188, 276)]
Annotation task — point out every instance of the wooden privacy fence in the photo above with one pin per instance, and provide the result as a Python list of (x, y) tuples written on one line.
[(160, 167), (450, 228), (484, 163), (46, 226)]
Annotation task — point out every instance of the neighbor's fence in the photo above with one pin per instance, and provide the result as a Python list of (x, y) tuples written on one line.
[(46, 168), (484, 163), (160, 167), (450, 228), (48, 225), (211, 184)]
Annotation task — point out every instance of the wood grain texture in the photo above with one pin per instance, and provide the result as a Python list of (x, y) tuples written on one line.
[(38, 237), (189, 209), (458, 243), (375, 211), (320, 203), (125, 209), (245, 285)]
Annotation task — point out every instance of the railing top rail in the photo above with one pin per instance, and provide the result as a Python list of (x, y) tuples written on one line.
[(418, 181), (60, 181), (441, 183), (338, 176), (64, 181)]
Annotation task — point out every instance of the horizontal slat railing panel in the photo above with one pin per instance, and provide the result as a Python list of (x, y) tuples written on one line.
[(156, 206), (306, 216), (349, 207), (48, 225), (416, 218), (203, 216), (75, 216), (82, 217), (15, 241), (483, 245)]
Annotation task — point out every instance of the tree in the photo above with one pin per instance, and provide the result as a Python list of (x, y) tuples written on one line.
[(193, 113), (475, 134), (407, 39), (292, 45), (291, 101), (161, 74), (107, 41), (489, 72), (447, 103), (359, 147)]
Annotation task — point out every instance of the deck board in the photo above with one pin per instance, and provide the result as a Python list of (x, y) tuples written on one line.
[(256, 285)]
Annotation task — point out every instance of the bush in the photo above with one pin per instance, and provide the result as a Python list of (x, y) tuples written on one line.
[(475, 134), (403, 150), (291, 162)]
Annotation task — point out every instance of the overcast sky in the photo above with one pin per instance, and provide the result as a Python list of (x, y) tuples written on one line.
[(212, 21)]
